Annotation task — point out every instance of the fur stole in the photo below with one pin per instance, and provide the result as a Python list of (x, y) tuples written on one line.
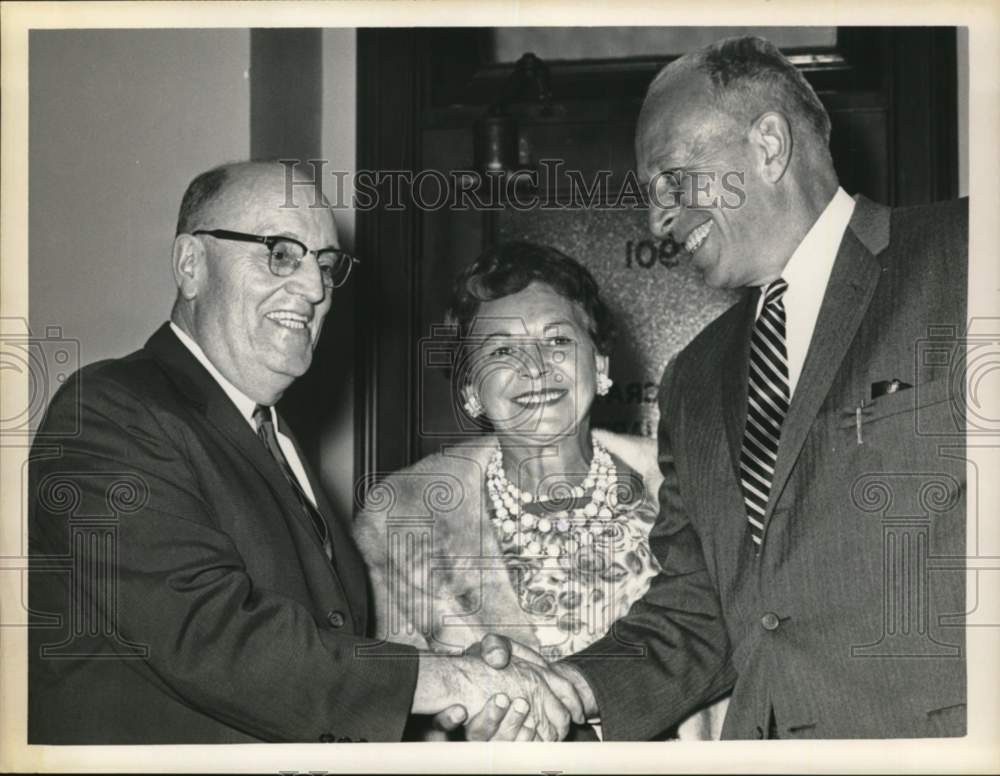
[(438, 577)]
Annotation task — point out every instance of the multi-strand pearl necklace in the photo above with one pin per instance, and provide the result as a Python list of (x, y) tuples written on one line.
[(553, 534)]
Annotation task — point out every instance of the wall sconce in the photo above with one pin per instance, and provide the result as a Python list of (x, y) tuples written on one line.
[(495, 141)]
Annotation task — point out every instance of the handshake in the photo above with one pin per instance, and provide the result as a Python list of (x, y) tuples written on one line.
[(518, 695)]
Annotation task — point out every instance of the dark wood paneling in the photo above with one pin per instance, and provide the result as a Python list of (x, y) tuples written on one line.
[(389, 92), (923, 127), (860, 154)]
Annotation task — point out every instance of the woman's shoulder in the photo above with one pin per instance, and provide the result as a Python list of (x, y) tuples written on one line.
[(631, 445), (636, 452), (467, 457), (445, 477)]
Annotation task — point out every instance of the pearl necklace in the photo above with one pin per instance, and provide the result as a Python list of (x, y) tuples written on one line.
[(540, 534)]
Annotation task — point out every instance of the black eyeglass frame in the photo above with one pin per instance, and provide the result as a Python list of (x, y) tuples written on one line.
[(271, 240)]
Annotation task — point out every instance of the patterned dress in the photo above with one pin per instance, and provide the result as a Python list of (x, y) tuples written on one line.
[(573, 599), (443, 574)]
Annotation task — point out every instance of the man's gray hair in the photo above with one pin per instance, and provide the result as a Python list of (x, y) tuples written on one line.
[(201, 193), (749, 76)]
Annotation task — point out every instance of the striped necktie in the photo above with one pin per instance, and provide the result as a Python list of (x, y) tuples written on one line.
[(768, 396), (265, 430)]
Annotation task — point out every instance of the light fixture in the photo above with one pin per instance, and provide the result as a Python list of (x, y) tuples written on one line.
[(496, 142)]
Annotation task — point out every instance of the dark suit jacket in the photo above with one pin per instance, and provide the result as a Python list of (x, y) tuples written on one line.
[(178, 593), (849, 623)]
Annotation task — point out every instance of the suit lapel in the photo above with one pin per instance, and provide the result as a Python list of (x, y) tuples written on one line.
[(849, 291), (733, 377), (207, 395), (219, 411), (346, 561)]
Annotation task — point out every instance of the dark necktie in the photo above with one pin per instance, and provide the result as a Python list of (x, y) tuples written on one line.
[(768, 395), (265, 430)]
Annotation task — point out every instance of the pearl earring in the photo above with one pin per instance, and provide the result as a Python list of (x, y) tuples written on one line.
[(471, 404), (604, 384)]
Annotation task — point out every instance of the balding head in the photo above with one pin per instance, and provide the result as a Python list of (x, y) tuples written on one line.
[(749, 76), (232, 185)]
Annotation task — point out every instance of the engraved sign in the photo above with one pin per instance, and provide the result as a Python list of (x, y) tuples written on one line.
[(659, 301)]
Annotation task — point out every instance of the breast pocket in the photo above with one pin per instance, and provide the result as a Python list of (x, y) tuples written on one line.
[(933, 408)]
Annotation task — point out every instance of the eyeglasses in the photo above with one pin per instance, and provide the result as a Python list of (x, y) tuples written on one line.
[(287, 253)]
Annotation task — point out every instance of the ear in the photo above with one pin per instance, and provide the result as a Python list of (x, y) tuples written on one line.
[(601, 362), (189, 265), (772, 136)]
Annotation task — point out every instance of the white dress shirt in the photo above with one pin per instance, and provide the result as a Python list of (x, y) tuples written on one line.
[(807, 274), (246, 406)]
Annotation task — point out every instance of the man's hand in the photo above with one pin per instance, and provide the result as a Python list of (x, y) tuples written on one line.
[(497, 651), (471, 681), (579, 683), (501, 720), (498, 720)]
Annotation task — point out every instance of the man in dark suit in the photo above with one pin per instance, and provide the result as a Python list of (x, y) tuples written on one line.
[(812, 522), (189, 581)]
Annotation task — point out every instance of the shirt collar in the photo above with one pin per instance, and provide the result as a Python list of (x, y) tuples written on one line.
[(812, 262), (243, 403)]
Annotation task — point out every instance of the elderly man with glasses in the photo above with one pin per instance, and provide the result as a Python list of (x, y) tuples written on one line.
[(189, 581)]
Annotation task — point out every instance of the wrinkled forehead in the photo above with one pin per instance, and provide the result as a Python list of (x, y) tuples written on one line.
[(678, 114), (268, 196)]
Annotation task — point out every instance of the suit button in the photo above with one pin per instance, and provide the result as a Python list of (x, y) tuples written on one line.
[(327, 738), (770, 621), (335, 618), (758, 732)]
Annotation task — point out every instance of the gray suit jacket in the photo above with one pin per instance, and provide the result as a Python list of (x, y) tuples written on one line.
[(849, 623)]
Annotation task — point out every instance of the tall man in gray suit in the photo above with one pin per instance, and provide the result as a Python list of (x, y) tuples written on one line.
[(810, 437)]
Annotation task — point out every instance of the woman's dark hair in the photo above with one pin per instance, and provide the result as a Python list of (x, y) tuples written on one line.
[(509, 267)]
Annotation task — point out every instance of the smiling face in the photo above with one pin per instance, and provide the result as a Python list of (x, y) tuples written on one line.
[(257, 329), (534, 366), (684, 144)]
